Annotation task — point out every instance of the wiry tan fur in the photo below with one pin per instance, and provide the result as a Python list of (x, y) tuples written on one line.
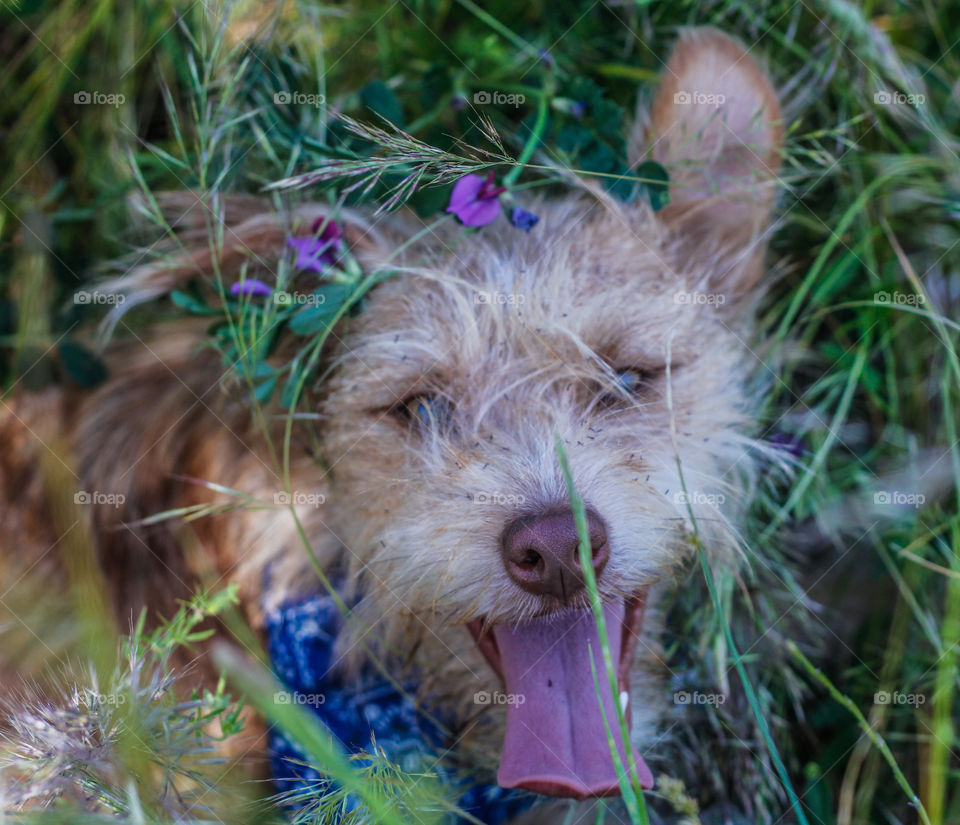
[(591, 290)]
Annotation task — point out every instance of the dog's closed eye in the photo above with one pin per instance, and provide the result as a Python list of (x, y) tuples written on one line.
[(425, 410), (630, 382)]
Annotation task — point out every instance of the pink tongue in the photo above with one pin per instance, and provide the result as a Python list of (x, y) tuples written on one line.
[(555, 742)]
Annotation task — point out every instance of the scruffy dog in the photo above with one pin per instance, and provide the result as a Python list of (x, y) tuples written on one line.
[(431, 436)]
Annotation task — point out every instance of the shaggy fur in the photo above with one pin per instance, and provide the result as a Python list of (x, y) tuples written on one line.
[(518, 338)]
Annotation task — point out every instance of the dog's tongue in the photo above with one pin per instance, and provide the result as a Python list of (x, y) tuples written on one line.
[(555, 742)]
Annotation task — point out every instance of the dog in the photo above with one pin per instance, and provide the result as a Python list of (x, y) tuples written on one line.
[(426, 468)]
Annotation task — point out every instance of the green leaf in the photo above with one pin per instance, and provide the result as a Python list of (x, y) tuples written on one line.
[(289, 391), (624, 188), (81, 365), (264, 392), (264, 377), (598, 157), (263, 370), (585, 90), (573, 137), (191, 303), (656, 184), (379, 98), (317, 315)]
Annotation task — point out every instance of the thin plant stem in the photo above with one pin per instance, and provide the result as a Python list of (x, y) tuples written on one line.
[(632, 794), (865, 726)]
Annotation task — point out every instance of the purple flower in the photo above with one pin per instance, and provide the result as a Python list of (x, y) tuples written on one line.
[(578, 109), (251, 287), (317, 250), (522, 219), (475, 200)]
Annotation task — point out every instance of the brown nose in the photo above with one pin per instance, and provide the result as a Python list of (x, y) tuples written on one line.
[(541, 554)]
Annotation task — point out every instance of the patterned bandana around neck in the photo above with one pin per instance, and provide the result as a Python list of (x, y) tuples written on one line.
[(301, 637)]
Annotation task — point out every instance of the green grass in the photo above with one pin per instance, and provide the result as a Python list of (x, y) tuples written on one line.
[(869, 593)]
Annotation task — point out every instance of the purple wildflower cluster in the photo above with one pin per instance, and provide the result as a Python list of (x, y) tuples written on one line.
[(315, 251), (476, 202)]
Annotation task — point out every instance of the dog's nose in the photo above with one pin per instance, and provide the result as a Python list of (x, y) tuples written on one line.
[(541, 554)]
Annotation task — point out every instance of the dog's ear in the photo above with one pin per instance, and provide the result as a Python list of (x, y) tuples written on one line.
[(715, 125)]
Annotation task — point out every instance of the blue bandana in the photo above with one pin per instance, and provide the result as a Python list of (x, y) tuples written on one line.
[(300, 640)]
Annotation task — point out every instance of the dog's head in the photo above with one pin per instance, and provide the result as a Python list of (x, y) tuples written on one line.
[(617, 330)]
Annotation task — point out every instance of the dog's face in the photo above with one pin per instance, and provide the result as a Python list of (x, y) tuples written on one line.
[(454, 389), (611, 328)]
